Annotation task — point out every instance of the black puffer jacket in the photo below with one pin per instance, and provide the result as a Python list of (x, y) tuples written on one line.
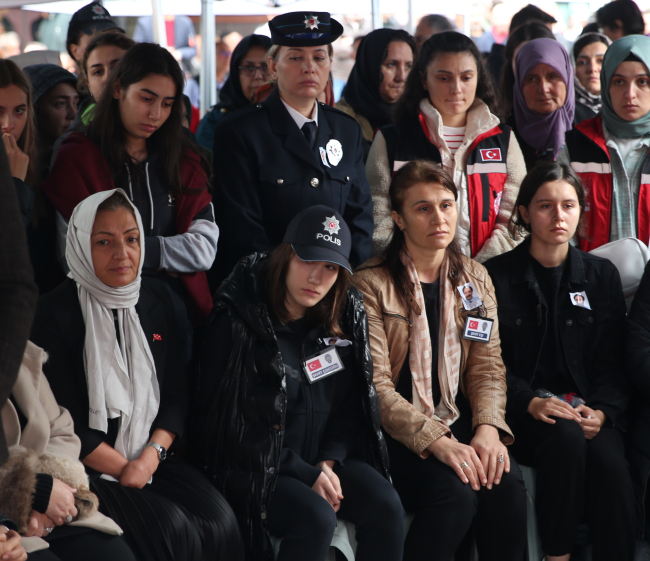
[(239, 430)]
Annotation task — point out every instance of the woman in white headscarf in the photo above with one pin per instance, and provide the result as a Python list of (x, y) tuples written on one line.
[(119, 348)]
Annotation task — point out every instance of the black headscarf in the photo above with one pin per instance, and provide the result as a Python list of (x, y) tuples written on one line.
[(231, 96), (362, 89)]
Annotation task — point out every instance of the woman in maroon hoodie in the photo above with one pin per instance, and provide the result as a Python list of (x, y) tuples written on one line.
[(136, 142)]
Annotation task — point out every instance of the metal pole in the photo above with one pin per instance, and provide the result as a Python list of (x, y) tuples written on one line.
[(159, 34), (208, 57), (411, 21), (377, 22)]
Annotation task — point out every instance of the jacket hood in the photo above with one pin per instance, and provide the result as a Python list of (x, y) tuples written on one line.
[(243, 291)]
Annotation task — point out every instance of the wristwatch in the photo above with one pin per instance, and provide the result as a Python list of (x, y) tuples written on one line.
[(162, 453)]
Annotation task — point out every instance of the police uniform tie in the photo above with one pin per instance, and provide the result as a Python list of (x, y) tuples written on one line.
[(309, 130)]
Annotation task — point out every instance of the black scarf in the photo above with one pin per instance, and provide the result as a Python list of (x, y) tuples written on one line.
[(231, 96), (362, 89)]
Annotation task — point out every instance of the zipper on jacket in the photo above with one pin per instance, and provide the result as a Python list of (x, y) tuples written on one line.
[(311, 429), (407, 320)]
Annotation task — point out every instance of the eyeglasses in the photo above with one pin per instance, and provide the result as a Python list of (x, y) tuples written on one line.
[(251, 70)]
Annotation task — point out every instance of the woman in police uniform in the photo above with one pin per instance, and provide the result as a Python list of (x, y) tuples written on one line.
[(290, 152)]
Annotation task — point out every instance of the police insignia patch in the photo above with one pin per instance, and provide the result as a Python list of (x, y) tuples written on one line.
[(331, 225), (334, 151), (311, 22)]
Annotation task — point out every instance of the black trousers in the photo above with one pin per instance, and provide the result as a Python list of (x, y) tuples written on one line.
[(574, 474), (306, 521), (445, 507), (179, 516), (92, 544)]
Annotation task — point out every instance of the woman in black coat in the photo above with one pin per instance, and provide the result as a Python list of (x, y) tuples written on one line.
[(119, 351), (292, 440), (276, 158), (561, 315)]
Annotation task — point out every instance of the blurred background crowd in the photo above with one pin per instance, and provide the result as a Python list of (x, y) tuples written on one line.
[(44, 28)]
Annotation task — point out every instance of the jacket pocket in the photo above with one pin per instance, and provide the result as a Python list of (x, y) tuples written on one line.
[(278, 186)]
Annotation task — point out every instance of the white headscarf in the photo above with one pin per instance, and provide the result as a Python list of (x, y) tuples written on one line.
[(121, 379)]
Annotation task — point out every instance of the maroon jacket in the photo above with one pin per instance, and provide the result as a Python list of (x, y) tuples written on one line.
[(80, 170)]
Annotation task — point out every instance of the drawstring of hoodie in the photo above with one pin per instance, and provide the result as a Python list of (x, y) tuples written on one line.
[(146, 171)]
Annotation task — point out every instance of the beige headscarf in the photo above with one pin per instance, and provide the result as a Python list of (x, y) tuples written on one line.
[(121, 379)]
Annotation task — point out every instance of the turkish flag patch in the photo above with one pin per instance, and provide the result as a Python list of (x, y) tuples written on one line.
[(314, 365), (157, 337), (491, 154), (473, 324)]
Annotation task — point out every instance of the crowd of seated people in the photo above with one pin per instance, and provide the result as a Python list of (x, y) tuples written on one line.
[(370, 312)]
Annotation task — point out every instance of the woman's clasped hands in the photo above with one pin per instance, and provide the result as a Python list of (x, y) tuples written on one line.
[(483, 462)]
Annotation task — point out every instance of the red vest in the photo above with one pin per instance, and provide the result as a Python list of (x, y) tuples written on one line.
[(591, 161), (486, 169)]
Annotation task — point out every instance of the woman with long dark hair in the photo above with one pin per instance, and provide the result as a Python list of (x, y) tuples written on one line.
[(447, 115), (434, 339), (18, 132), (135, 141), (286, 414), (562, 317), (382, 65)]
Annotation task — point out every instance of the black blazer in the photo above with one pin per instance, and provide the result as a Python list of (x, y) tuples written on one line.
[(592, 340), (265, 173), (59, 329)]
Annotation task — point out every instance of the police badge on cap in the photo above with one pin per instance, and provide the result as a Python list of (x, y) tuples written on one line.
[(304, 29), (319, 233)]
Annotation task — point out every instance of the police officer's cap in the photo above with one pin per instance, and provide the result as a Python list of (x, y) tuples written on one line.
[(319, 233), (304, 29)]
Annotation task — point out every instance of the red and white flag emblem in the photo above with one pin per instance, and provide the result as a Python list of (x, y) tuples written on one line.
[(157, 337), (314, 365), (491, 154), (473, 324)]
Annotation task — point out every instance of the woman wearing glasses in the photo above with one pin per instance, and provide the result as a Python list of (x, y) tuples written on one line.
[(273, 159), (248, 71)]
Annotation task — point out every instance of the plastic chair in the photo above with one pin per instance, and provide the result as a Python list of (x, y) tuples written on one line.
[(535, 552), (340, 541)]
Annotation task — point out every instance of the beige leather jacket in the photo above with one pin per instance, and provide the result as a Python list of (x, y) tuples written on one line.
[(482, 373)]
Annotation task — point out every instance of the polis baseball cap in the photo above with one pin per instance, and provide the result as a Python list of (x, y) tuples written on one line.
[(319, 233), (89, 20)]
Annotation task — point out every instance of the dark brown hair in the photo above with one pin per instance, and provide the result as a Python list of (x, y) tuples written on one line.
[(326, 313), (416, 171), (12, 75), (107, 130), (441, 43), (543, 172), (111, 38)]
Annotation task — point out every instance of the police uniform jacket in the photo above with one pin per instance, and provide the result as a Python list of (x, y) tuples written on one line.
[(265, 172)]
